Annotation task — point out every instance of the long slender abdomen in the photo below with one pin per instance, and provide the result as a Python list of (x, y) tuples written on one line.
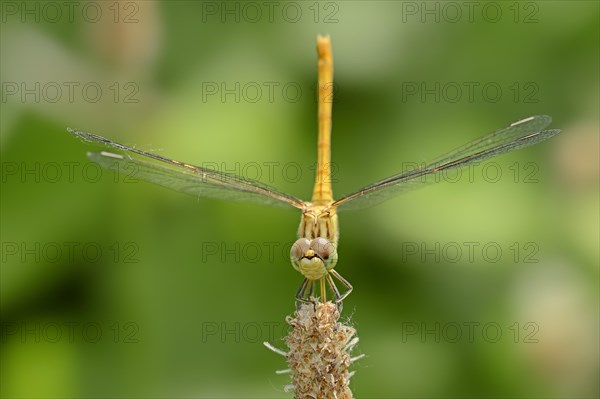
[(322, 192)]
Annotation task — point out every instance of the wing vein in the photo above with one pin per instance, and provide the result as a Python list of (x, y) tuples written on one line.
[(183, 177)]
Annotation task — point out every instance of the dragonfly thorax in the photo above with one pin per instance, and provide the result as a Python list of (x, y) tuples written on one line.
[(319, 221)]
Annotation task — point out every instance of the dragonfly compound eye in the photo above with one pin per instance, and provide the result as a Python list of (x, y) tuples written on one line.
[(299, 250), (325, 250)]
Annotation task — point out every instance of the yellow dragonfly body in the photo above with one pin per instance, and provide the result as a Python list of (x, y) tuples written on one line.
[(314, 254)]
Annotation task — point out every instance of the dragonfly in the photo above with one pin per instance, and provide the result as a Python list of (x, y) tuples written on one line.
[(314, 254)]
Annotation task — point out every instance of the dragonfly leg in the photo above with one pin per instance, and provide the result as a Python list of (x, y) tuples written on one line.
[(336, 293), (305, 292), (345, 283), (323, 290), (302, 289), (335, 290)]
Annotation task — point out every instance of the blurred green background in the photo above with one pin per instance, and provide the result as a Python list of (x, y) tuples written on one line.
[(112, 288)]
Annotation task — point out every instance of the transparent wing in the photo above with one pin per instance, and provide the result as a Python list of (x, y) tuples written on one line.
[(179, 176), (520, 134)]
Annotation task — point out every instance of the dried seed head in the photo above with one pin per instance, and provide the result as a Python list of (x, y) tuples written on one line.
[(318, 355)]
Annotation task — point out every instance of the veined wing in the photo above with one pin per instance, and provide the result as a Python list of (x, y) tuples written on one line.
[(519, 134), (179, 176)]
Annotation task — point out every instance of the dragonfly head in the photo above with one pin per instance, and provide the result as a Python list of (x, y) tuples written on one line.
[(313, 258)]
